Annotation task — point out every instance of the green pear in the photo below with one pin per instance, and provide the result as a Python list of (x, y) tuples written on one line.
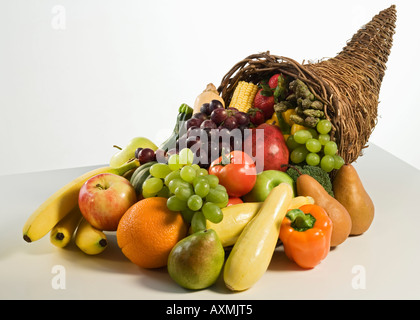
[(129, 150), (196, 261)]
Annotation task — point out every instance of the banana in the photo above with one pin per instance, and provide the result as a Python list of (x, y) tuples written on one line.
[(58, 205), (236, 217), (89, 239), (63, 231), (252, 252)]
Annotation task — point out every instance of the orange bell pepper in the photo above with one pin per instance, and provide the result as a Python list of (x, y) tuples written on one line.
[(306, 235)]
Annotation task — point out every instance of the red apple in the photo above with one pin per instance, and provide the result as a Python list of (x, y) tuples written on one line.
[(266, 145), (104, 198)]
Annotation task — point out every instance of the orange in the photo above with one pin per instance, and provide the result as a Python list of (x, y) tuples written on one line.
[(147, 232)]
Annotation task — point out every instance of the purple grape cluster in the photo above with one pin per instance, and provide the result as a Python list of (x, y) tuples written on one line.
[(212, 130)]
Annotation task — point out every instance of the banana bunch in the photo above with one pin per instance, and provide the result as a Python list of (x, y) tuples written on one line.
[(63, 231), (60, 215), (87, 238)]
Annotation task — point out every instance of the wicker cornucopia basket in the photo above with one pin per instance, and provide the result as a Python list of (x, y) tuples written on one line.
[(348, 85)]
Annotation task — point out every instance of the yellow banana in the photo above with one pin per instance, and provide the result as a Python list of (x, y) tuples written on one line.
[(63, 231), (58, 205), (252, 252), (89, 239), (236, 217)]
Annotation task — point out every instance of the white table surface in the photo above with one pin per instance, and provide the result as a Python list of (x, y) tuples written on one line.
[(383, 263)]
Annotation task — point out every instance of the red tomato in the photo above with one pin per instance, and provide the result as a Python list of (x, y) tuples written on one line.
[(236, 172), (234, 200)]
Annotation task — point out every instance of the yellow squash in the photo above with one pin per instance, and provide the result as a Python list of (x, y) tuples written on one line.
[(237, 216), (210, 93), (252, 252)]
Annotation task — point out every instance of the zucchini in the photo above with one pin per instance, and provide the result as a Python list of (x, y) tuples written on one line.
[(184, 113), (140, 175)]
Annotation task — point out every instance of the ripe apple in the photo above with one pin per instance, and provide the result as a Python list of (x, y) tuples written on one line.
[(267, 147), (104, 198), (266, 181)]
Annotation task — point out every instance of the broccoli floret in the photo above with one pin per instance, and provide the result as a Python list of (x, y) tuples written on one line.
[(315, 172)]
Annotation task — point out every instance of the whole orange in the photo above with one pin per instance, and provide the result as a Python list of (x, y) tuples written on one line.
[(148, 231)]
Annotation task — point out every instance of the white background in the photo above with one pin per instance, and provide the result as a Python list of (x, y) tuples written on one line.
[(120, 69)]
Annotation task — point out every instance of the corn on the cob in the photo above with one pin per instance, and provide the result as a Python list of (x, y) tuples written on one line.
[(243, 96)]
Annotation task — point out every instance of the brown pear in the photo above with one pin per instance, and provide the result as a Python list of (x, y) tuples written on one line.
[(349, 191), (308, 186)]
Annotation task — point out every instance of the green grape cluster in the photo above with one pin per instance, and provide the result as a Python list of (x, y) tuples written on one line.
[(189, 189), (314, 147)]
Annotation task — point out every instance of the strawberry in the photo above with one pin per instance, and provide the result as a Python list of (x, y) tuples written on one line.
[(274, 80), (279, 86), (264, 100), (256, 116)]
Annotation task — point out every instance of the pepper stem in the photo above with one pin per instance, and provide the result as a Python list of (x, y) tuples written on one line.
[(300, 221)]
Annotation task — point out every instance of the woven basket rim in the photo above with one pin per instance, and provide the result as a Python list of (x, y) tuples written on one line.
[(348, 85)]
